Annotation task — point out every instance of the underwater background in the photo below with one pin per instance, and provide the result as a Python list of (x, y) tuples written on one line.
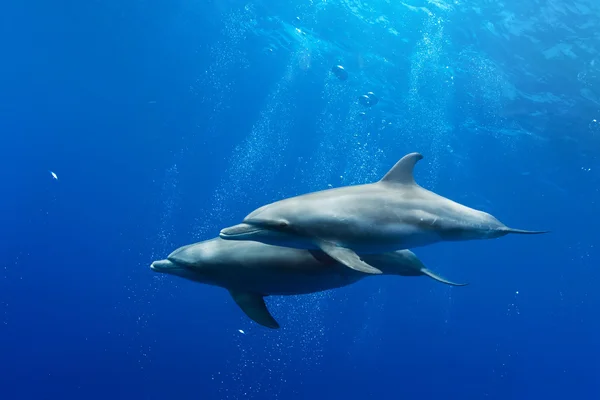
[(165, 121)]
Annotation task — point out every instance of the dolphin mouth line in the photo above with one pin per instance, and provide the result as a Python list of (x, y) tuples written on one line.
[(166, 266), (239, 230), (162, 265)]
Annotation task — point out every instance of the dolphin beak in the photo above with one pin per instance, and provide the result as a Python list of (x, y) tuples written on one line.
[(162, 265), (239, 231)]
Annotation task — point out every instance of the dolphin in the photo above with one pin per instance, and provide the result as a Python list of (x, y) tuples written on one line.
[(394, 213), (251, 270)]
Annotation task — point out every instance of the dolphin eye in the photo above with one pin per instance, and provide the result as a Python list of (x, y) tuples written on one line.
[(276, 224)]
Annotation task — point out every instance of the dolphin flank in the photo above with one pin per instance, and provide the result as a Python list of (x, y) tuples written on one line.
[(394, 213), (251, 270)]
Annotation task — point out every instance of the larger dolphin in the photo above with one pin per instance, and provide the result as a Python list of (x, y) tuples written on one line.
[(392, 214), (251, 270)]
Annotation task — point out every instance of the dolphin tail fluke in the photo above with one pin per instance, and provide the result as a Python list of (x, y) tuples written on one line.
[(523, 232), (438, 278)]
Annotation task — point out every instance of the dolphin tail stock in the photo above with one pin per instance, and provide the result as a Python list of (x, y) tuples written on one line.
[(410, 265)]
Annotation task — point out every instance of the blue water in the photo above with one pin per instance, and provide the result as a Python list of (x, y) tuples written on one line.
[(166, 121)]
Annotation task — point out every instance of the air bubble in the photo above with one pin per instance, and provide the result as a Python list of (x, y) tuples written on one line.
[(595, 126)]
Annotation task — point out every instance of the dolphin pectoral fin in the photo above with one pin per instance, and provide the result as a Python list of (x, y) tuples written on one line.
[(253, 305), (347, 257), (438, 278)]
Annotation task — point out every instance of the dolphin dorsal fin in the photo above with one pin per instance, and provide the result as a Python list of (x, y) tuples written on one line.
[(403, 171)]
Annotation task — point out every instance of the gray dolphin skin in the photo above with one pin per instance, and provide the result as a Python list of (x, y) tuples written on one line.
[(251, 270), (394, 213)]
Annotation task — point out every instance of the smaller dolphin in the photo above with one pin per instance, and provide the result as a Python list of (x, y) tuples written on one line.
[(394, 213), (252, 270)]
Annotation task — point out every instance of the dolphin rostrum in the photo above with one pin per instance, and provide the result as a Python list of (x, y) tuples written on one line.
[(251, 270), (394, 213)]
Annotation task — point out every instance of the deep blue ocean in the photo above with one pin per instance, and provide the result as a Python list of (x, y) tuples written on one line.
[(166, 121)]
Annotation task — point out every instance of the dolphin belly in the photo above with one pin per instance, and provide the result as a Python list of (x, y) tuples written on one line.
[(273, 283), (384, 243)]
